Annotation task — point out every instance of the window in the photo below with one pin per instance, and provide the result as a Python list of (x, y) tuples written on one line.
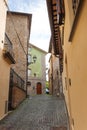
[(29, 58), (29, 48), (75, 4), (29, 72), (34, 74)]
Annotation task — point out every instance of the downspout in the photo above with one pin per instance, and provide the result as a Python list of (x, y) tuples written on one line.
[(52, 73)]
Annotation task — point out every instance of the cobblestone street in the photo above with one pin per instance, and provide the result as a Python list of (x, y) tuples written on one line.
[(41, 112)]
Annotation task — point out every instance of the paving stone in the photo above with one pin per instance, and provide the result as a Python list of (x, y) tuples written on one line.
[(41, 112)]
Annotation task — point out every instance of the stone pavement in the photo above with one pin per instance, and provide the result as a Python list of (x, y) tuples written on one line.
[(41, 112)]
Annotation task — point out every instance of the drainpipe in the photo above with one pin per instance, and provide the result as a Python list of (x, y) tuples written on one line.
[(52, 73), (27, 67)]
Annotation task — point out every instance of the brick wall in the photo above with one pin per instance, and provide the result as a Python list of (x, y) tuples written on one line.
[(18, 95), (19, 40)]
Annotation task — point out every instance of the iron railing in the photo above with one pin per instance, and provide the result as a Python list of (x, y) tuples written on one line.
[(8, 49), (15, 79)]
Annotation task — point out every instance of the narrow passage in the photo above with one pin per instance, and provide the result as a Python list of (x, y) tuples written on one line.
[(41, 112)]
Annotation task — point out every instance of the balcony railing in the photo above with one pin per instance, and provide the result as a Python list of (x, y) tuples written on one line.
[(8, 50), (16, 80)]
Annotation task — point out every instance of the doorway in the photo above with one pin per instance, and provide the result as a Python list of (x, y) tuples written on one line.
[(39, 88)]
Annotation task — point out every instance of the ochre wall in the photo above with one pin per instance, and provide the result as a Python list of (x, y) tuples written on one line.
[(2, 23), (76, 69), (4, 66), (4, 85)]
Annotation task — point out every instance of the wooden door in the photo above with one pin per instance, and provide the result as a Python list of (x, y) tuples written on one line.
[(39, 88)]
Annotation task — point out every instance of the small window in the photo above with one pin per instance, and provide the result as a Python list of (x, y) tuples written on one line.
[(29, 72), (29, 48), (29, 83), (34, 74), (75, 4), (29, 58)]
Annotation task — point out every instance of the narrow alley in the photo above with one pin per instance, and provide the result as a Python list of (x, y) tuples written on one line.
[(40, 112)]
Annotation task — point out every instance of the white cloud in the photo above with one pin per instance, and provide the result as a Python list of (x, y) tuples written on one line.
[(40, 30)]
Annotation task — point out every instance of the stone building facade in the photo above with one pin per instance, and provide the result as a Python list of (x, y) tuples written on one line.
[(18, 30), (56, 19), (54, 72)]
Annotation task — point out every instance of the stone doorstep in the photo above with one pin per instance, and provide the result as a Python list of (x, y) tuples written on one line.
[(58, 128)]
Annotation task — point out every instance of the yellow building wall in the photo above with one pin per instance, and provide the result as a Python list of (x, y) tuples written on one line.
[(2, 22), (4, 66), (4, 85), (75, 69)]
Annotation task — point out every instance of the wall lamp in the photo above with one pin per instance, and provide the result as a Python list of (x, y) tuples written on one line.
[(34, 59)]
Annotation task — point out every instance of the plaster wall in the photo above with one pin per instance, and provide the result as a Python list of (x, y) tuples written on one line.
[(17, 29), (4, 65), (75, 69)]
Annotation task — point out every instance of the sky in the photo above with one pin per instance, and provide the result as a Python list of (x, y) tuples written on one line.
[(40, 29)]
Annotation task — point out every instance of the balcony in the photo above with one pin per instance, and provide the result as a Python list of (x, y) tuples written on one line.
[(8, 50)]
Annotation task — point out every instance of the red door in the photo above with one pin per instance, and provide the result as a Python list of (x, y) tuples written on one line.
[(39, 88)]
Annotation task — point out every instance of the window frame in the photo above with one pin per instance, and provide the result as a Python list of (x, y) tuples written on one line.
[(75, 19)]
